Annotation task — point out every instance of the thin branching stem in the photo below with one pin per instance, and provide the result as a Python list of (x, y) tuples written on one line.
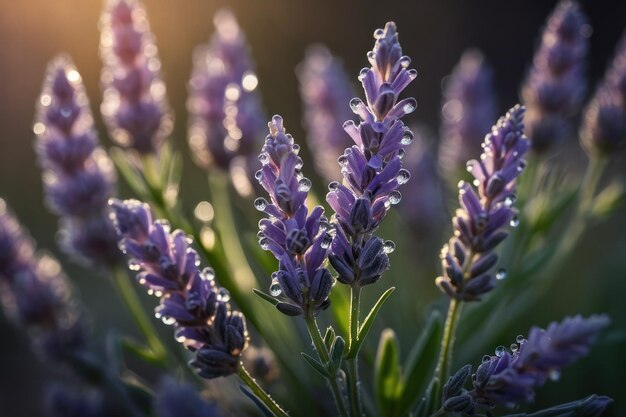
[(352, 360)]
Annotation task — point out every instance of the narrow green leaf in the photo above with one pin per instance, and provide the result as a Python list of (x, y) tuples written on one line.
[(608, 200), (265, 297), (126, 170), (430, 403), (419, 364), (387, 376), (368, 323), (321, 369), (336, 352), (329, 337)]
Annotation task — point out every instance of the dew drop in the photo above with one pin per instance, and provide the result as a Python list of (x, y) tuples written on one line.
[(264, 158), (408, 108), (501, 274), (514, 347), (275, 289), (371, 55), (389, 246), (403, 176), (461, 185), (326, 241), (407, 138), (355, 103), (363, 73), (510, 200), (208, 273), (514, 221), (296, 148), (264, 243), (299, 163), (258, 175), (260, 204), (333, 186), (486, 358), (395, 197), (554, 374), (469, 166), (304, 184), (223, 294), (343, 160), (500, 351), (379, 33), (412, 73), (168, 320), (401, 153), (520, 338), (476, 183), (134, 265)]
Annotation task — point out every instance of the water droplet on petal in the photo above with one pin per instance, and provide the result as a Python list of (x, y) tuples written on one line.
[(514, 347), (514, 221), (500, 351), (510, 200), (304, 184), (333, 186), (260, 204), (395, 197), (326, 241), (407, 138), (501, 274), (275, 289), (408, 108), (134, 265), (208, 273), (343, 160), (379, 33), (389, 246), (264, 158), (486, 358), (405, 61), (520, 338), (469, 166), (223, 294), (264, 243), (403, 176), (258, 175)]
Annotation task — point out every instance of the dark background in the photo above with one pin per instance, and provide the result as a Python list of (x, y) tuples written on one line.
[(433, 33)]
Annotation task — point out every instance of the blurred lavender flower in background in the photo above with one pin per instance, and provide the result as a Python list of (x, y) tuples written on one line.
[(190, 298), (372, 169), (135, 106), (174, 399), (479, 226), (468, 111), (325, 89), (511, 378), (604, 121), (227, 122), (422, 205), (35, 292), (555, 85), (261, 363), (78, 175), (297, 238), (62, 401)]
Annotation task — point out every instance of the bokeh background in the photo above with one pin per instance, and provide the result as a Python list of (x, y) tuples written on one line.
[(433, 33)]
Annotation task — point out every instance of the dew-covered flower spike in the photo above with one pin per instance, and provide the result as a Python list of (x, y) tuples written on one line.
[(604, 121), (298, 239), (35, 293), (78, 175), (511, 376), (135, 106), (190, 299), (486, 211), (325, 90), (372, 168), (227, 122), (468, 111), (555, 85)]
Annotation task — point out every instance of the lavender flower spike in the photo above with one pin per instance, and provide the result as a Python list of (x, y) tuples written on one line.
[(78, 176), (555, 85), (325, 90), (135, 105), (511, 378), (226, 117), (297, 238), (35, 292), (479, 225), (604, 121), (468, 111), (190, 298), (372, 168)]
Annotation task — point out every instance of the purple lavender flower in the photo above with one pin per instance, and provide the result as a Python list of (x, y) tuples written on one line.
[(78, 176), (135, 105), (173, 399), (480, 223), (468, 111), (35, 292), (226, 117), (325, 90), (372, 169), (555, 85), (604, 121), (510, 378), (297, 238), (190, 299), (63, 401)]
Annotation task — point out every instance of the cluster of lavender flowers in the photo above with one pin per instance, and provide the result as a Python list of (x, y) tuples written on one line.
[(190, 298), (468, 111), (509, 378), (479, 226), (555, 86), (78, 175), (372, 168), (227, 122), (297, 238), (135, 105), (325, 90)]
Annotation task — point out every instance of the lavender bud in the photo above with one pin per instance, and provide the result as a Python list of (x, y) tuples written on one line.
[(135, 106), (555, 85), (226, 116), (468, 110)]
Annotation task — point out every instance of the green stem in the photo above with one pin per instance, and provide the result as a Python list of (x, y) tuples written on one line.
[(442, 371), (260, 392), (129, 296), (322, 353), (353, 356)]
